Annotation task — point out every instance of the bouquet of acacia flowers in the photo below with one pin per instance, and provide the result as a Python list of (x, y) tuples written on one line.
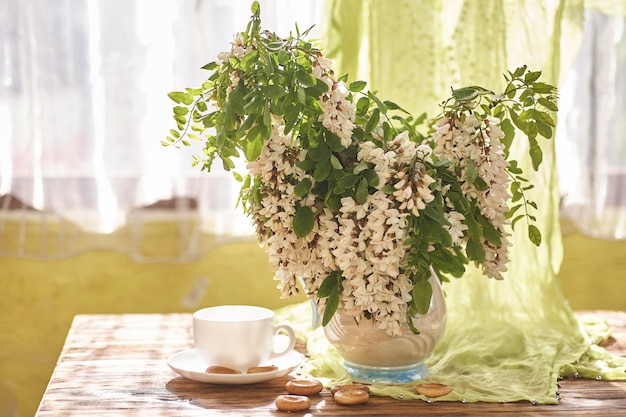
[(352, 197)]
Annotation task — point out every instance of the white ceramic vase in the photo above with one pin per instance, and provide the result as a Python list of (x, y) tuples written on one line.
[(372, 356)]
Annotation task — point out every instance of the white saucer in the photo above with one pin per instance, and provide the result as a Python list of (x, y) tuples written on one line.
[(188, 364)]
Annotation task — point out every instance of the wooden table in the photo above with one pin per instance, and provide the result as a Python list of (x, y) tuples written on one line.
[(116, 365)]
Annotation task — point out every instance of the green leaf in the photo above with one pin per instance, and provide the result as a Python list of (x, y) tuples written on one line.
[(331, 307), (306, 79), (472, 174), (322, 170), (319, 152), (544, 117), (475, 250), (393, 106), (283, 57), (254, 103), (527, 97), (465, 93), (379, 104), (253, 145), (181, 111), (514, 168), (509, 133), (362, 166), (291, 116), (543, 88), (422, 293), (334, 161), (333, 201), (306, 164), (274, 91), (301, 95), (519, 71), (490, 233), (331, 283), (532, 76), (243, 128), (361, 191), (434, 213), (303, 221), (357, 86), (544, 130), (534, 234), (517, 121), (531, 131), (373, 121), (409, 321), (536, 154), (267, 116), (211, 66), (548, 104), (473, 226), (448, 262), (227, 163), (362, 105), (387, 131), (372, 177), (346, 181), (181, 97), (510, 90), (302, 188), (249, 60), (516, 219), (512, 211)]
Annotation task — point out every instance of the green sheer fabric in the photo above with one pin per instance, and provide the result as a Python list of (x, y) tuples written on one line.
[(505, 340)]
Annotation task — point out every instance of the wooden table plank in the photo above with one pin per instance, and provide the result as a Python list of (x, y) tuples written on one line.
[(116, 365)]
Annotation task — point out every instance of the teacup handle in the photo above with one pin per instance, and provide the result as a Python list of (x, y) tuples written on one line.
[(292, 339)]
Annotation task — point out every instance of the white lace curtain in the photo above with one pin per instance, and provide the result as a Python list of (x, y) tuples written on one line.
[(83, 108), (591, 136)]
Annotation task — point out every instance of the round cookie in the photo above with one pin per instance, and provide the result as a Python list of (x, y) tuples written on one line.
[(304, 386), (259, 369), (336, 388), (216, 369), (287, 402), (351, 396), (433, 390)]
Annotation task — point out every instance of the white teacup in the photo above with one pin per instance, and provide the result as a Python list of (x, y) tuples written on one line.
[(238, 336)]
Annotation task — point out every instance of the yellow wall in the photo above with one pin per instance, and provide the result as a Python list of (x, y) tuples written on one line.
[(39, 298), (593, 272)]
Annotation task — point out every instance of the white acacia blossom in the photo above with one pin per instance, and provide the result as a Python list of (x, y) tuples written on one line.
[(237, 50), (339, 113), (470, 145)]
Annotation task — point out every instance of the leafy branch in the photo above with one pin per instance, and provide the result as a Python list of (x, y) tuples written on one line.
[(267, 91), (526, 104)]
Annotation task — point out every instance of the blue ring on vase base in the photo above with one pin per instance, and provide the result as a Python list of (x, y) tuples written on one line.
[(386, 375)]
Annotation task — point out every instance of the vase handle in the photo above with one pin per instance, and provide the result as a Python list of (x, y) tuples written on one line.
[(315, 315)]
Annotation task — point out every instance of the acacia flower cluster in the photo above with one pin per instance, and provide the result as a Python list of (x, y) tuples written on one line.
[(364, 241), (472, 145), (355, 201)]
